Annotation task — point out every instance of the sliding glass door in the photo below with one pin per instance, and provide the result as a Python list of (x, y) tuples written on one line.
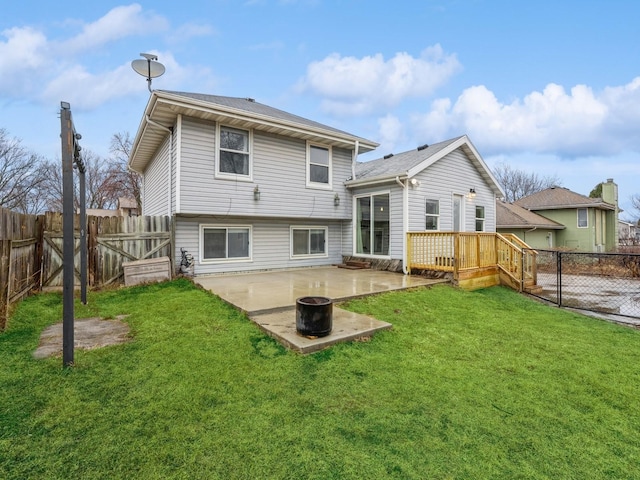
[(372, 224)]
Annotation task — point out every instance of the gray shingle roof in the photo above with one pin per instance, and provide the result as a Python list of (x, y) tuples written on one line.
[(509, 215), (400, 163), (559, 197), (251, 106)]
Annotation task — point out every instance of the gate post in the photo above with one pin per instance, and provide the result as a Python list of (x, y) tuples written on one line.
[(67, 229), (559, 279)]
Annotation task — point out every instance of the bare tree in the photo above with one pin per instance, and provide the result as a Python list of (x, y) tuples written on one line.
[(635, 203), (99, 193), (51, 196), (125, 182), (518, 183), (21, 174)]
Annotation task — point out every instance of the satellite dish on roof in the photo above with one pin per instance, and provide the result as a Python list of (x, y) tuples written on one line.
[(149, 68)]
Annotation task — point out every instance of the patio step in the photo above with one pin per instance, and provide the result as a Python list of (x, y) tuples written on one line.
[(355, 265)]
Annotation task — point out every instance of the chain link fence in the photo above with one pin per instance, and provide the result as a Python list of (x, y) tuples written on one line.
[(600, 282)]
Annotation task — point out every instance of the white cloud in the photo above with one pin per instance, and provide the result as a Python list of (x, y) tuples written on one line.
[(48, 71), (119, 22), (21, 57), (391, 133), (355, 86), (575, 123), (85, 90), (190, 30)]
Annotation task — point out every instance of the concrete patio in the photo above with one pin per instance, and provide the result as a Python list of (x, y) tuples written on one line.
[(269, 299)]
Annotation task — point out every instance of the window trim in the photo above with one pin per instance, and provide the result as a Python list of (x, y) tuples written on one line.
[(436, 215), (233, 176), (586, 217), (318, 185), (356, 226), (293, 256), (205, 261), (483, 219)]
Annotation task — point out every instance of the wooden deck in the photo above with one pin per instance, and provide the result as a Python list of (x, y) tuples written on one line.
[(476, 260)]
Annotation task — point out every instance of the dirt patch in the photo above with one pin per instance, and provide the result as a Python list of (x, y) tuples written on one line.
[(88, 333)]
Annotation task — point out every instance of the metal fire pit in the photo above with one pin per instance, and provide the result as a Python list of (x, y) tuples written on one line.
[(314, 316)]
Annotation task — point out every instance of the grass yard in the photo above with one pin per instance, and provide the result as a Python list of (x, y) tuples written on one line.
[(475, 385)]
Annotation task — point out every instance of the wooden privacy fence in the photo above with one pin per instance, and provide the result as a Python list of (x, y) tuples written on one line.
[(475, 259), (110, 242), (31, 250), (20, 251)]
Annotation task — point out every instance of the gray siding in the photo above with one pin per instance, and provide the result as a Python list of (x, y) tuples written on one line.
[(270, 244), (453, 174), (279, 170), (156, 181)]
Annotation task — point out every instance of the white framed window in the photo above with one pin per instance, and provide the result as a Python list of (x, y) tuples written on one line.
[(318, 166), (225, 243), (583, 218), (233, 153), (479, 218), (432, 214), (309, 242), (372, 226)]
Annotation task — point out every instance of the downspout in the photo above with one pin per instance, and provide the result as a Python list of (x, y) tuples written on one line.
[(528, 231), (355, 160), (405, 223), (170, 131)]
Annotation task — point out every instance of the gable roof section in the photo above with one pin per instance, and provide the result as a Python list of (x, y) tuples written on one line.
[(409, 164), (557, 198), (164, 107), (509, 215)]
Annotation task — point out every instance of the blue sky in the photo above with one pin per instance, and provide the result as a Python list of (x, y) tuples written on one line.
[(546, 86)]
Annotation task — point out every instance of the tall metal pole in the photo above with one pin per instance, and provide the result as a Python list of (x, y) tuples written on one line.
[(67, 140), (83, 236)]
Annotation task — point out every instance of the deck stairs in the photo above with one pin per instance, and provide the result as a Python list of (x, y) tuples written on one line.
[(355, 265)]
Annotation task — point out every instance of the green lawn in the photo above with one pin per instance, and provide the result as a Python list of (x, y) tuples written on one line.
[(475, 385)]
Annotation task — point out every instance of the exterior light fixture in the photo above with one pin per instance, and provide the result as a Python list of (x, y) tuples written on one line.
[(472, 193), (256, 193), (336, 200)]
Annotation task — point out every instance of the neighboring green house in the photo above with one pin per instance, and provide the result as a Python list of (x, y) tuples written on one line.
[(535, 230), (590, 224)]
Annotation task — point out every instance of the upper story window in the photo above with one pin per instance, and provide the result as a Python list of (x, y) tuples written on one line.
[(432, 212), (318, 166), (583, 221), (479, 218), (234, 152)]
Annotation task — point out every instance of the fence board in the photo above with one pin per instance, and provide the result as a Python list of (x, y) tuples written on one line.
[(20, 237)]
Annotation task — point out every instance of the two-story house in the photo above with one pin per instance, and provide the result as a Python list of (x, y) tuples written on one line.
[(590, 224), (253, 188)]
